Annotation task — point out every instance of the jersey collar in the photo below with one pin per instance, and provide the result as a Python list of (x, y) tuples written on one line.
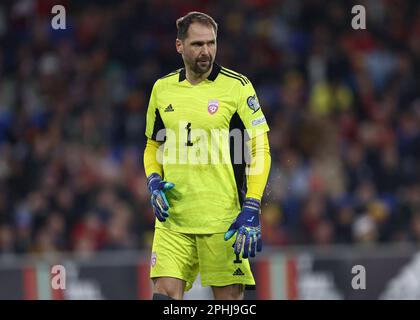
[(212, 76)]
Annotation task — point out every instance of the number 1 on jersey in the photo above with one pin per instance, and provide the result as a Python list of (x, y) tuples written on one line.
[(188, 128)]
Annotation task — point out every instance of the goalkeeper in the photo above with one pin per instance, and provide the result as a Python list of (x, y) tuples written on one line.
[(207, 212)]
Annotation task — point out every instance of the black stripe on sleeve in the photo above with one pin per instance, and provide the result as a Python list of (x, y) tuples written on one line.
[(245, 79), (234, 77), (170, 74), (158, 125)]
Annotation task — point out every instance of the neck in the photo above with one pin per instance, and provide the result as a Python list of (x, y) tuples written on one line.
[(195, 78)]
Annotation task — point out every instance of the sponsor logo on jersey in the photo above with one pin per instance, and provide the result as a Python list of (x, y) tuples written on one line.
[(169, 108)]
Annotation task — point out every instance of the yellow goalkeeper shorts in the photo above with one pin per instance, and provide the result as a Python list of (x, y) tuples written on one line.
[(183, 256)]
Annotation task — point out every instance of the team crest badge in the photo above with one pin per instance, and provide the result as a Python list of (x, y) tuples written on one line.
[(153, 260), (213, 106)]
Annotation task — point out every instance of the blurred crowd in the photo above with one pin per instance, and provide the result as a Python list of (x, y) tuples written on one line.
[(343, 106)]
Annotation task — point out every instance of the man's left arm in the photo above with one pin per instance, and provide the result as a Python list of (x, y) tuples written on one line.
[(259, 168), (153, 159), (247, 224)]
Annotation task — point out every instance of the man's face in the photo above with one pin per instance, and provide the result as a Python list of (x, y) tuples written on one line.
[(199, 48)]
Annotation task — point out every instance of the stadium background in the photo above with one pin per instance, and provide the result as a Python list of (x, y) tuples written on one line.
[(344, 110)]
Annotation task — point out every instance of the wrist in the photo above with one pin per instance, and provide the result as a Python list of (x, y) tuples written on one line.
[(252, 204), (254, 195), (153, 181)]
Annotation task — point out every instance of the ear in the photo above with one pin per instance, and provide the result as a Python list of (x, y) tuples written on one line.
[(179, 46)]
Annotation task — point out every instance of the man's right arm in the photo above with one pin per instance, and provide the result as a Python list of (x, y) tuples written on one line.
[(152, 159)]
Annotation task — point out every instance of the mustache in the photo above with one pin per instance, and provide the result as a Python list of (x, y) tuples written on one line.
[(203, 58)]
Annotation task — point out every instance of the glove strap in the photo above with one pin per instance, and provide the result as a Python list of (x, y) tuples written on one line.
[(153, 181), (252, 204)]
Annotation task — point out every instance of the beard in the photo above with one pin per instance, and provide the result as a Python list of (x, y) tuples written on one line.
[(202, 64)]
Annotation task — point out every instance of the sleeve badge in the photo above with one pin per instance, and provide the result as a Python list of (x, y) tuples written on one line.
[(253, 103)]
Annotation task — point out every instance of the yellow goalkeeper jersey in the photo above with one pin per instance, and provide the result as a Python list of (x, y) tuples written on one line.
[(204, 128)]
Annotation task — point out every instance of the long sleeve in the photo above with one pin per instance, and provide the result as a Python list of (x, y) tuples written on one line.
[(257, 172), (153, 158)]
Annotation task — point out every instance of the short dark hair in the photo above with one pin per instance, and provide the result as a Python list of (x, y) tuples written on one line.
[(183, 23)]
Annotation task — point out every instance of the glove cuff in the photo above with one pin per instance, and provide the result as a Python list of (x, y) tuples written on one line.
[(153, 181), (252, 204)]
